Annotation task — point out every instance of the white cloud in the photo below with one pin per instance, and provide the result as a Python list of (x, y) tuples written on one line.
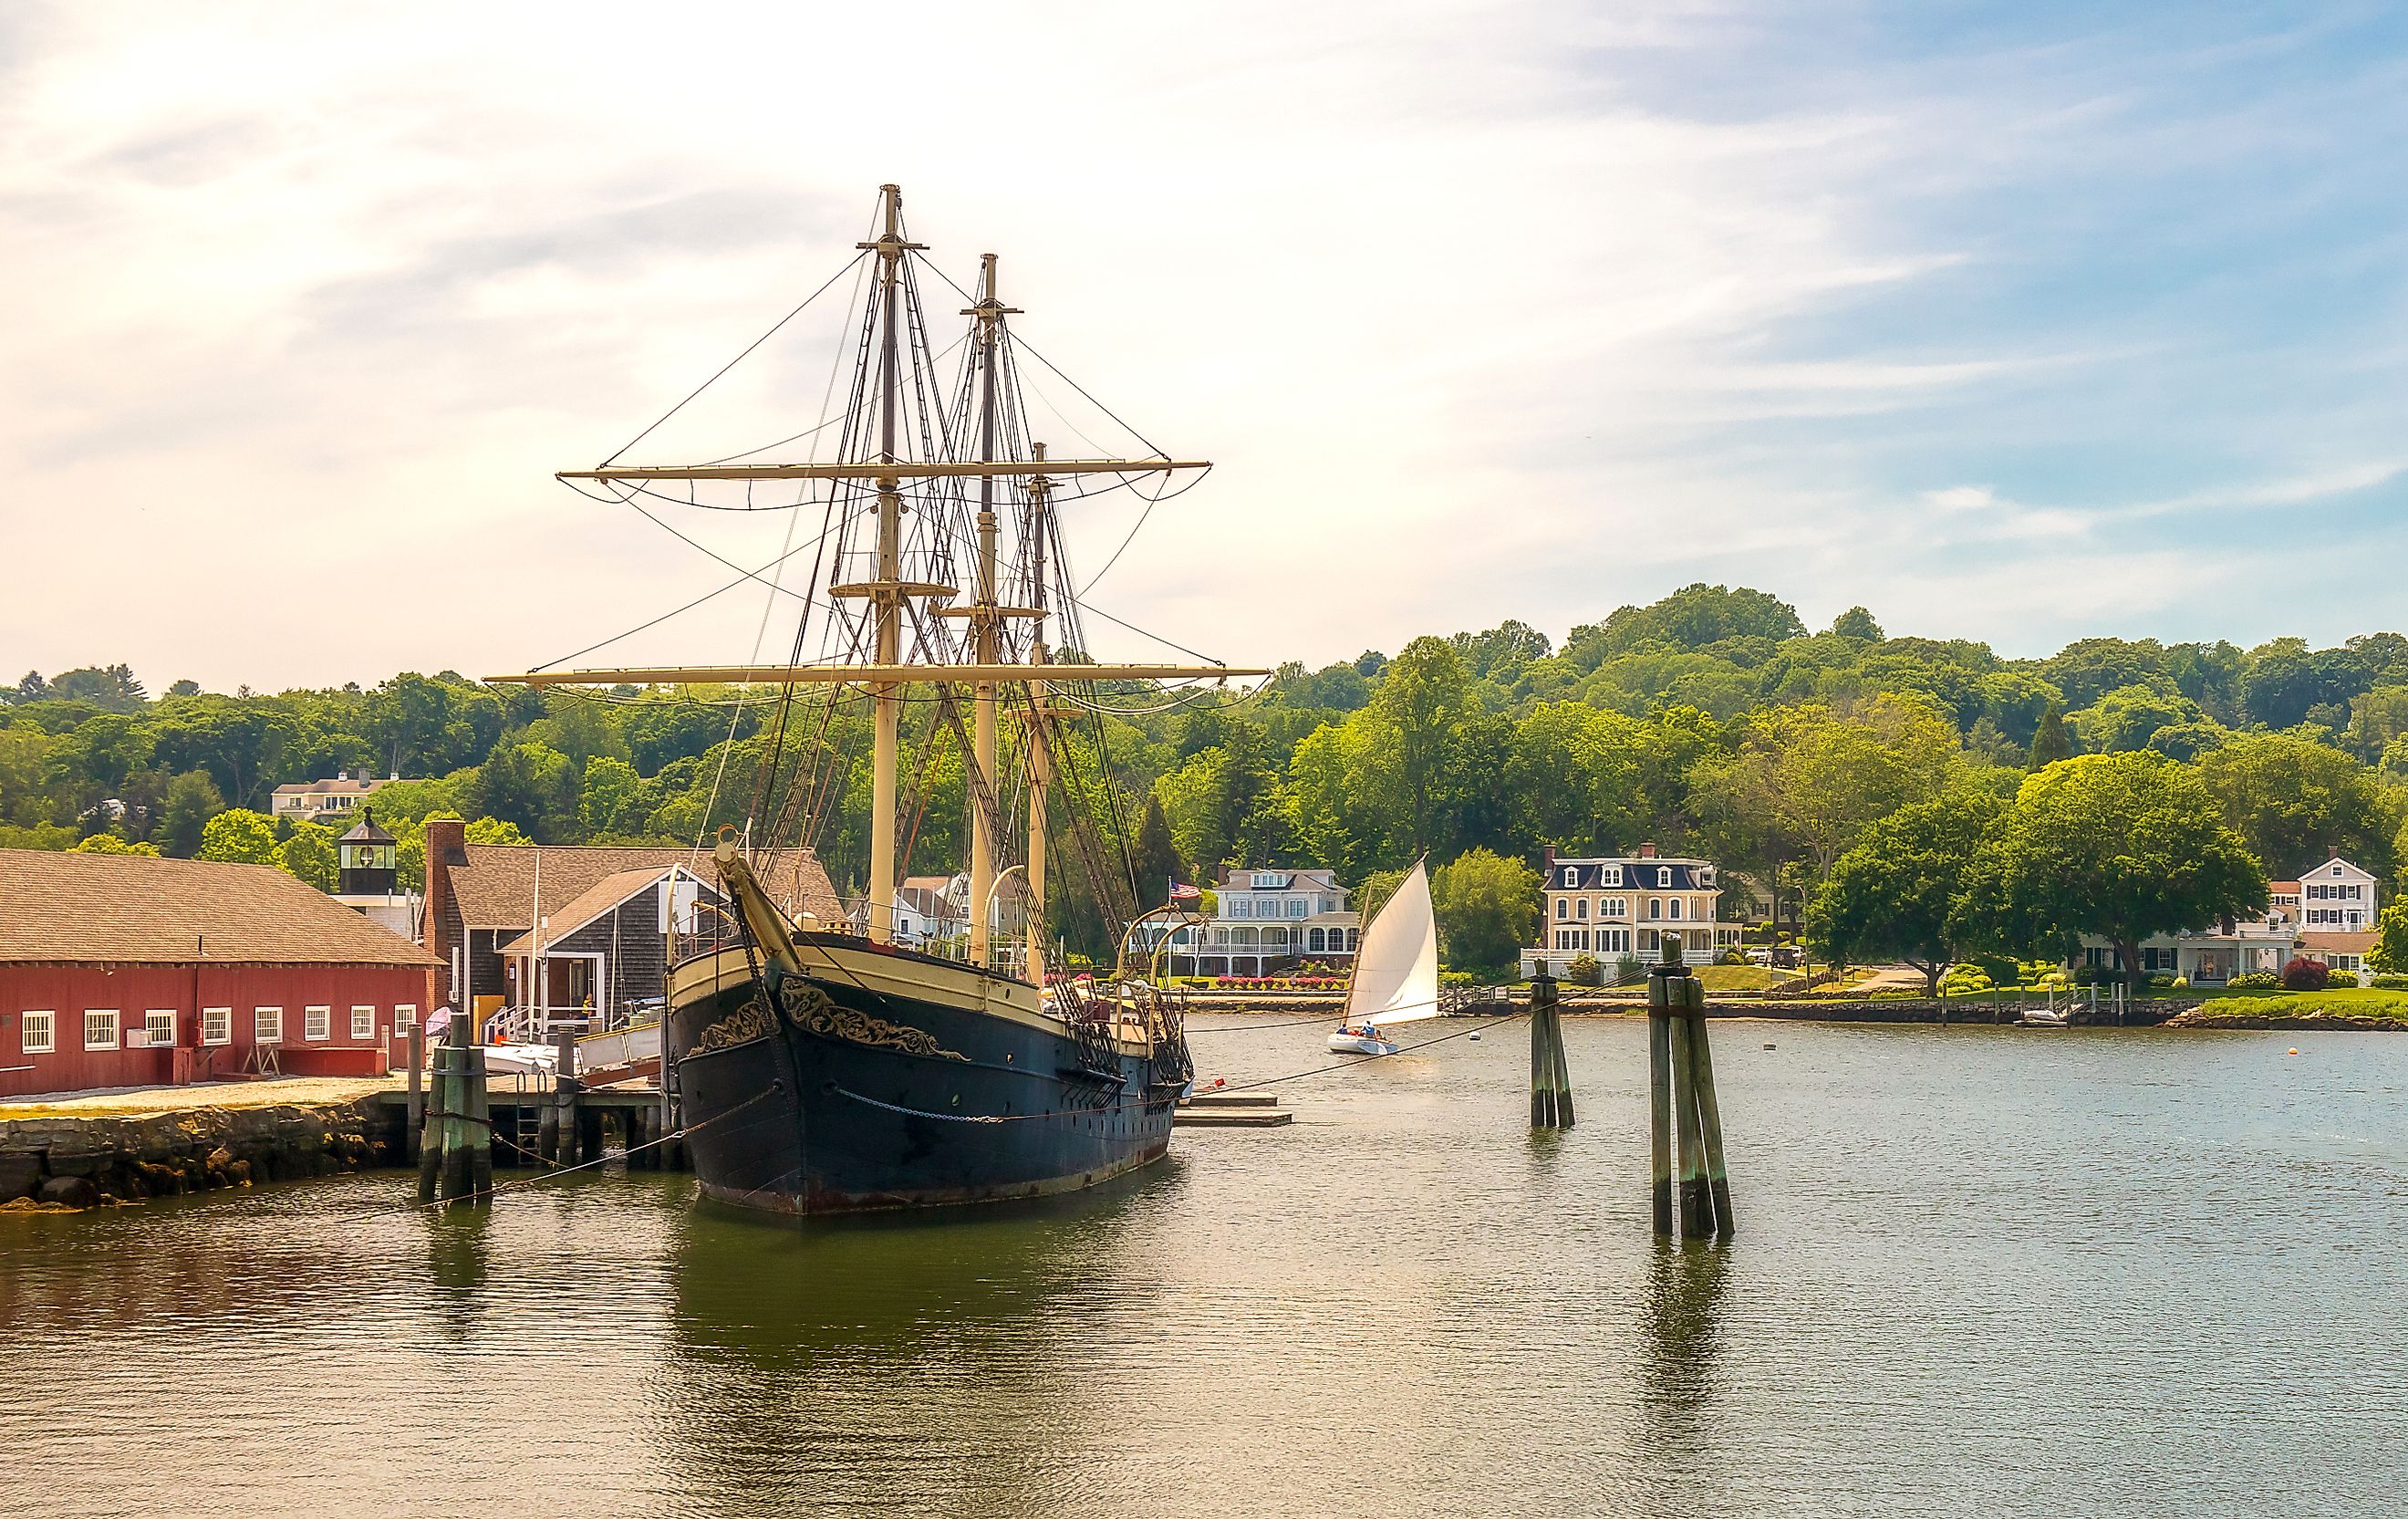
[(1474, 323)]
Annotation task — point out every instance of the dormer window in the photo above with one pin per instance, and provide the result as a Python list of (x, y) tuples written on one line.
[(1609, 876), (1572, 877)]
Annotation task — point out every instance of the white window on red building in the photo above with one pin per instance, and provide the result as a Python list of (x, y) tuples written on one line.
[(404, 1017), (100, 1028), (217, 1025), (316, 1023), (159, 1027), (363, 1023), (267, 1025), (37, 1033)]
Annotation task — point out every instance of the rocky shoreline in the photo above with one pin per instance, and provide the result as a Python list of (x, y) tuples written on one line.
[(66, 1163)]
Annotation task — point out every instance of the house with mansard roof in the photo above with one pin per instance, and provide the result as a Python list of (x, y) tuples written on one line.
[(1606, 907)]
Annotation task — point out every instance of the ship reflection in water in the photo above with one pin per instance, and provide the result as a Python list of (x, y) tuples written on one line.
[(2009, 1277)]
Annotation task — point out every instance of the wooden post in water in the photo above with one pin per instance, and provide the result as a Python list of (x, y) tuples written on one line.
[(565, 1131), (429, 1142), (1551, 1080), (1697, 1197), (414, 1115), (477, 1125), (455, 1158), (1710, 1110), (1659, 1101)]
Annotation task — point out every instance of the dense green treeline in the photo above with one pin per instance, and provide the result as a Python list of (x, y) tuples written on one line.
[(1710, 721)]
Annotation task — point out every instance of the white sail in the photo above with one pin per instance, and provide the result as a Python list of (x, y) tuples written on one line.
[(1396, 967)]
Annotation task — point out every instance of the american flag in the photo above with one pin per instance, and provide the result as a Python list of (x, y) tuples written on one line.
[(1182, 892)]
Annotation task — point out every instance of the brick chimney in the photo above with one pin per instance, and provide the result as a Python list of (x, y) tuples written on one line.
[(447, 845), (2333, 851), (1548, 856), (1647, 851)]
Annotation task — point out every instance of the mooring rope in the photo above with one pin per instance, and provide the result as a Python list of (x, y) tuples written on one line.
[(1242, 1086)]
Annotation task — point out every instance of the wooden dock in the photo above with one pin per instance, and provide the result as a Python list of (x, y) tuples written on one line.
[(1231, 1109)]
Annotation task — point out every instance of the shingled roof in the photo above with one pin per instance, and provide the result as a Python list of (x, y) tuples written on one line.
[(66, 908), (497, 888), (599, 898)]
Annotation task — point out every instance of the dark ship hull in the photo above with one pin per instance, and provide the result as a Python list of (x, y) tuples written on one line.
[(876, 1078)]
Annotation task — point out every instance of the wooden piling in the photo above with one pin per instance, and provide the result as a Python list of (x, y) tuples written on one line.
[(1697, 1197), (414, 1115), (1659, 1102), (429, 1142), (477, 1130), (1710, 1112), (668, 1153), (1551, 1082)]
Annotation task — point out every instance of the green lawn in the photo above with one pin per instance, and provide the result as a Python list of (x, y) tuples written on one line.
[(1737, 978), (2348, 1002)]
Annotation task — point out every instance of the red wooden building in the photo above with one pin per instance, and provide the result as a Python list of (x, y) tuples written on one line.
[(117, 971)]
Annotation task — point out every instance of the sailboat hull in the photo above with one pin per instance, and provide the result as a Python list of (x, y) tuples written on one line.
[(879, 1079)]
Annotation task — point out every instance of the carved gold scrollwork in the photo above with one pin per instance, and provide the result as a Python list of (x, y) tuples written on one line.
[(811, 1009), (745, 1024)]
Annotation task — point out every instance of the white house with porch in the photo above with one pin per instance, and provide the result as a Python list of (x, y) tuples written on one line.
[(2328, 915), (1270, 921)]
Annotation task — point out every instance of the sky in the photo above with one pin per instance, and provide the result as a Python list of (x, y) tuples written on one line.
[(2019, 322)]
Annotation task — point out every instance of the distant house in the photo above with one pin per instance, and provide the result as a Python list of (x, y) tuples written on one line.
[(326, 801), (2328, 915), (607, 916), (1270, 921), (1606, 907), (124, 970)]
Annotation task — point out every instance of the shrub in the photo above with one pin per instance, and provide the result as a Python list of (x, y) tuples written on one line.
[(2305, 975), (1584, 971), (2180, 984), (1455, 978), (1627, 969), (1963, 979), (2341, 978), (2260, 980), (1731, 957), (2162, 980), (2389, 984)]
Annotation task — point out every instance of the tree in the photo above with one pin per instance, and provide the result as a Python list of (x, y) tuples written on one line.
[(190, 801), (2121, 846), (1896, 894), (1856, 622), (1156, 862), (2389, 955), (108, 843), (1693, 617), (2294, 801), (1817, 778), (2128, 716), (308, 855), (240, 835), (185, 688), (113, 688), (494, 831), (613, 798), (1487, 907), (2049, 743), (1414, 731)]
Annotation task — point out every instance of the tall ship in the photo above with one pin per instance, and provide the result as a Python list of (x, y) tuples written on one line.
[(835, 1061)]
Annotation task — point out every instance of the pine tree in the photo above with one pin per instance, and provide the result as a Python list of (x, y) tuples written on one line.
[(2049, 743)]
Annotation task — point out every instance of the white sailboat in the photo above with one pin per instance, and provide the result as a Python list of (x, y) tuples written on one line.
[(1396, 971)]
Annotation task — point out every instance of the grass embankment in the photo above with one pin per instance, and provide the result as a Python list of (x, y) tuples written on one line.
[(2348, 1007)]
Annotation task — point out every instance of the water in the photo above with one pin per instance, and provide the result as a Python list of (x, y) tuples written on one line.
[(1980, 1273)]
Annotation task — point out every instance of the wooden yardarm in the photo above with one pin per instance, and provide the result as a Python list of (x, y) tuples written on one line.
[(1681, 1101)]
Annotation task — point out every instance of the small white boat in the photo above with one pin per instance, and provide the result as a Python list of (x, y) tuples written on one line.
[(1396, 971), (2036, 1018)]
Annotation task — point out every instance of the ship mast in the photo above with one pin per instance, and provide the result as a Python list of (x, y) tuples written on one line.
[(1041, 763), (985, 624), (887, 591)]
